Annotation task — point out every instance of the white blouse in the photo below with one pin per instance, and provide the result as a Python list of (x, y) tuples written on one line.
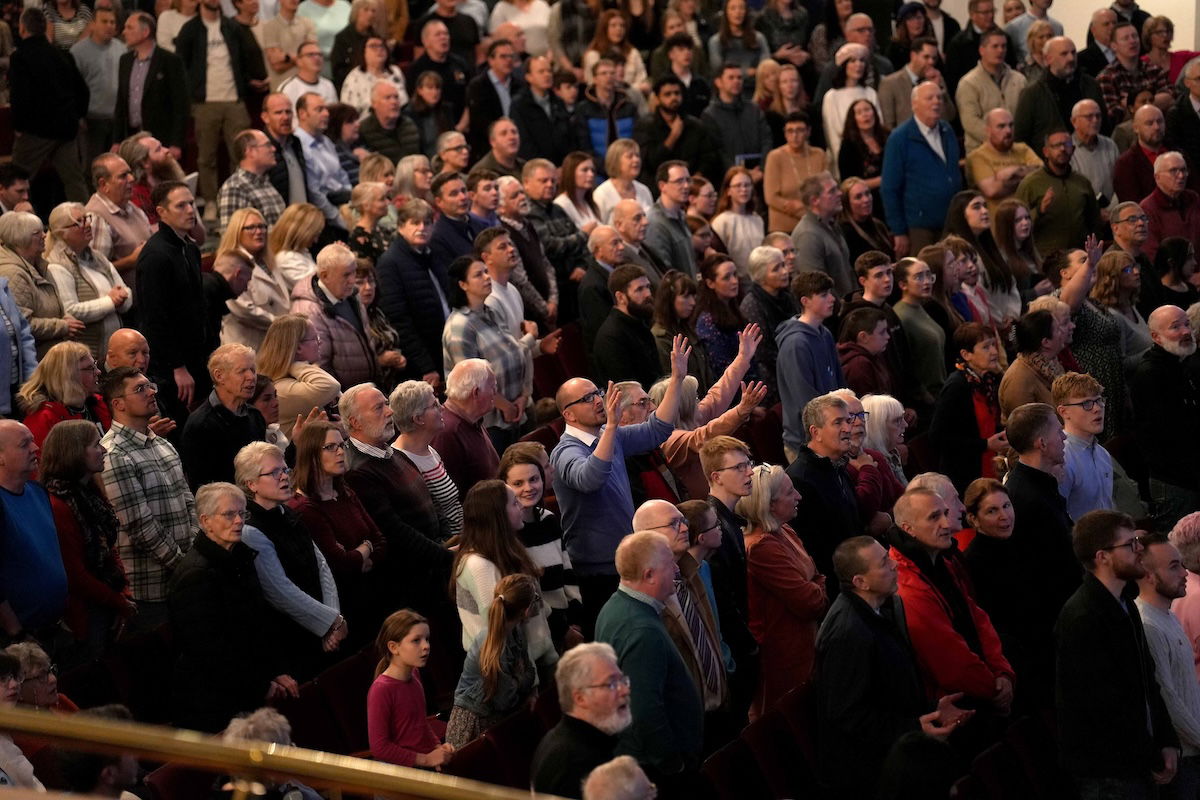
[(580, 218), (606, 197)]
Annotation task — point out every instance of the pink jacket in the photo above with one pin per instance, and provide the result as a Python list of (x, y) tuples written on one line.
[(682, 448)]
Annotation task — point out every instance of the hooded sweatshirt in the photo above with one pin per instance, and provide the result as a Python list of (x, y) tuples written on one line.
[(740, 127), (807, 367)]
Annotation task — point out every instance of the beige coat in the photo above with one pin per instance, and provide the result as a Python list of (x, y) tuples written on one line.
[(253, 311), (305, 387), (37, 297)]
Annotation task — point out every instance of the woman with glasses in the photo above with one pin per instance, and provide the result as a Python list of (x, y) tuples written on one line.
[(417, 415), (453, 153), (786, 593), (229, 658), (1157, 35), (21, 264), (90, 288), (295, 577), (343, 531), (737, 222), (370, 65), (266, 298), (1118, 283), (786, 168), (99, 599), (64, 386), (414, 177), (15, 769), (966, 425), (289, 356), (887, 421)]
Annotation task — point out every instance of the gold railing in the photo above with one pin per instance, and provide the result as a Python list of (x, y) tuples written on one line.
[(259, 761)]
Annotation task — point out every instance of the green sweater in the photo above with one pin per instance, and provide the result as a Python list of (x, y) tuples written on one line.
[(1072, 214), (927, 343)]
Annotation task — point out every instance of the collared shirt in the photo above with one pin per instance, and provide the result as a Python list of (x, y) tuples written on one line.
[(244, 189), (119, 229), (1117, 84), (1096, 162), (642, 597), (325, 173), (137, 88), (933, 136), (1087, 482), (915, 79), (579, 433), (503, 89), (144, 480), (370, 449), (471, 333)]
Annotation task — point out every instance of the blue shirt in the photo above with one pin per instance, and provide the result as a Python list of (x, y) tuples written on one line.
[(31, 567), (503, 89), (1087, 481)]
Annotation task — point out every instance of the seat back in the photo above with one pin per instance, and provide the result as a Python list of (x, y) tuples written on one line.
[(479, 761), (172, 782), (515, 739), (787, 772), (344, 688), (733, 774)]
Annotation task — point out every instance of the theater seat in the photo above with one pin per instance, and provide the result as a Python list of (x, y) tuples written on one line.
[(1037, 753), (344, 687), (784, 768), (546, 435), (313, 723), (515, 739), (799, 709), (171, 782), (734, 775), (547, 708), (479, 761)]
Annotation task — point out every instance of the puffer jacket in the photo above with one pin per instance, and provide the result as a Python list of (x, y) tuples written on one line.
[(36, 297), (343, 352), (253, 311), (410, 301), (597, 125)]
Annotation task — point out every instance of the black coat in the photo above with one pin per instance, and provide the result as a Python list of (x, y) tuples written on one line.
[(346, 43), (1106, 687), (452, 238), (566, 248), (212, 436), (595, 301), (168, 273), (695, 146), (49, 96), (402, 140), (1091, 60), (542, 136), (565, 756), (625, 350), (165, 105), (1163, 388), (245, 57), (1183, 134), (410, 301), (954, 432), (224, 637), (278, 174), (485, 107), (728, 565), (828, 511), (868, 691)]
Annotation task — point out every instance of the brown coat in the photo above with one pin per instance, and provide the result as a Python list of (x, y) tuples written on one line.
[(1022, 384), (37, 298), (677, 629)]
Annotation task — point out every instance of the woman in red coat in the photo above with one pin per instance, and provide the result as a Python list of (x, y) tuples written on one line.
[(98, 593), (786, 593), (63, 387)]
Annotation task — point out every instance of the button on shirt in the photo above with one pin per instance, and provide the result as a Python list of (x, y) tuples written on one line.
[(137, 88), (933, 136), (1087, 482), (324, 168)]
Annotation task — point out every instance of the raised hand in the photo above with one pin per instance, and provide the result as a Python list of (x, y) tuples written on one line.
[(614, 403), (752, 395), (681, 351), (749, 338), (1094, 248)]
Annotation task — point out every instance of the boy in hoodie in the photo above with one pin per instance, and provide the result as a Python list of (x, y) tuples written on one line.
[(808, 364), (862, 346)]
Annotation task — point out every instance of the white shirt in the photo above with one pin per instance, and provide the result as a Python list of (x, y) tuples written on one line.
[(295, 87), (933, 136), (219, 86)]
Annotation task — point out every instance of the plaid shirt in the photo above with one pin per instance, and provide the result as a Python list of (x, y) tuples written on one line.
[(246, 190), (1117, 83), (481, 334), (144, 480)]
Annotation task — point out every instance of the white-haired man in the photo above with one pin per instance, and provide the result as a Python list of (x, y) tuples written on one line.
[(225, 422), (463, 443), (329, 299), (1173, 209)]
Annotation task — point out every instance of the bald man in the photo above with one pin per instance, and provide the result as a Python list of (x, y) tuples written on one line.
[(1173, 209), (128, 348), (630, 221), (595, 300), (997, 166), (1133, 176), (33, 583), (1046, 104), (1165, 401), (1183, 122)]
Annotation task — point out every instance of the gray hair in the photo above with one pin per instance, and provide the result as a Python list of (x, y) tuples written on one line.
[(881, 410), (1160, 164), (814, 411), (688, 399), (264, 725), (407, 401), (248, 463), (1193, 315), (598, 234), (574, 669), (406, 168), (333, 256), (1078, 107), (505, 180), (467, 376), (348, 404), (619, 779), (1121, 208), (444, 139), (767, 482), (224, 355), (934, 482), (776, 236), (30, 654), (761, 259), (208, 496), (17, 229)]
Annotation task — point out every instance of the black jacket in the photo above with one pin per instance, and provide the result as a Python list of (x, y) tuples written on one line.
[(346, 43), (213, 435), (565, 756), (695, 146), (1045, 105), (485, 107), (1091, 59), (411, 303), (954, 432), (1106, 688), (402, 140), (828, 508), (566, 248), (169, 298), (49, 96), (1183, 134), (217, 294), (191, 45), (165, 105), (278, 174), (728, 565), (595, 302), (624, 350), (868, 691), (452, 238), (1163, 388), (542, 136), (226, 650)]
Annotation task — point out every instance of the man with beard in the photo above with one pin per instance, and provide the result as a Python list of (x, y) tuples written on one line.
[(594, 696), (225, 422), (152, 163), (1114, 731), (1046, 104), (1062, 203), (624, 348), (1164, 390), (807, 365), (669, 133), (1166, 580), (998, 164), (249, 186)]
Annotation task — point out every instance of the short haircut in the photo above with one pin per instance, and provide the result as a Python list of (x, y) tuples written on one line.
[(223, 356), (146, 20), (810, 284), (861, 320), (670, 79), (114, 382), (102, 166), (636, 552), (681, 40), (467, 376), (601, 62), (761, 259), (242, 143), (992, 34), (620, 278), (712, 452), (663, 173), (413, 210), (496, 45), (813, 415), (483, 242), (160, 193), (726, 66), (1032, 329), (408, 400), (903, 510), (348, 402), (492, 125), (11, 173), (921, 42), (1074, 384), (564, 77), (978, 490), (333, 256), (34, 21), (534, 165), (812, 186), (435, 188), (619, 779), (1186, 536), (248, 463), (797, 116), (208, 497), (872, 259), (574, 670), (848, 560), (478, 176), (81, 770), (1027, 423), (968, 335), (1095, 531)]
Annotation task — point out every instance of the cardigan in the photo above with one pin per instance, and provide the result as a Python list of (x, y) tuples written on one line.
[(917, 185)]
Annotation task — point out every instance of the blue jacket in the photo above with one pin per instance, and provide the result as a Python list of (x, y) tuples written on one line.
[(10, 373), (408, 296), (451, 238), (597, 125), (517, 681), (594, 495), (807, 367), (917, 185)]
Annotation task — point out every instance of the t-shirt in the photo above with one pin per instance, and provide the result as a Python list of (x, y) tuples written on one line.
[(31, 567), (219, 86)]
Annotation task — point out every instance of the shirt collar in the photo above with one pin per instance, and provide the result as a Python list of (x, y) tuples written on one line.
[(139, 438), (495, 79), (109, 206), (149, 55), (581, 435), (925, 130), (371, 450), (328, 294), (642, 597), (1082, 443)]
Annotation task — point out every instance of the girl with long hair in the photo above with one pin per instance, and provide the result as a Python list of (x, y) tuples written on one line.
[(969, 218), (851, 82), (397, 727), (1012, 229), (266, 400), (736, 221), (612, 34), (789, 98), (862, 229), (674, 314), (737, 42), (830, 33), (863, 140), (578, 183), (268, 296), (719, 320)]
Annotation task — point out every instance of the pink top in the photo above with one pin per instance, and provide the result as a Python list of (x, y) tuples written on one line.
[(396, 723), (1187, 609)]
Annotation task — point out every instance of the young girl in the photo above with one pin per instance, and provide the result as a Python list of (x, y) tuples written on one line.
[(523, 468), (396, 724), (498, 675)]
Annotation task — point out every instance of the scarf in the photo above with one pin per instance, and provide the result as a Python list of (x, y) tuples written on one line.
[(1047, 368), (98, 523), (987, 384)]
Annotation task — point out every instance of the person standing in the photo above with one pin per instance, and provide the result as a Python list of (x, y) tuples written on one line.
[(98, 58)]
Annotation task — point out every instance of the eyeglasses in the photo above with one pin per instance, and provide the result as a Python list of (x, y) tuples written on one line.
[(861, 416), (258, 226), (142, 388), (1134, 544), (1090, 404), (334, 447), (643, 403), (277, 473), (681, 182), (741, 466), (675, 524), (612, 685), (83, 222), (1177, 170), (595, 394), (924, 277), (1134, 218), (457, 148), (230, 516)]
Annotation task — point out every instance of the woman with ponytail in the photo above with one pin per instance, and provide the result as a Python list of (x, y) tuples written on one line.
[(397, 727), (498, 675)]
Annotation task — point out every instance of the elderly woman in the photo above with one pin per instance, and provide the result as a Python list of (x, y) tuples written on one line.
[(966, 421), (886, 424), (768, 302), (287, 356), (344, 349), (98, 593), (623, 165), (453, 153), (90, 288), (266, 298), (417, 415), (228, 659), (39, 679), (295, 577), (64, 386), (18, 351), (292, 237), (21, 263), (414, 177), (367, 206), (1118, 282), (786, 594), (14, 765)]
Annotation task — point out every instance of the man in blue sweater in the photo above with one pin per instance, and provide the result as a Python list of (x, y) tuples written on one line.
[(920, 173), (590, 480), (808, 364)]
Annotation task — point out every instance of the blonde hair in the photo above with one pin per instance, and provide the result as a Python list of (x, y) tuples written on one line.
[(297, 228), (231, 239), (374, 167), (61, 218), (612, 158), (767, 68), (278, 349), (767, 481), (56, 377), (360, 196)]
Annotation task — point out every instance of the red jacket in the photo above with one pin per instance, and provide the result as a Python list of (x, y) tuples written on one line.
[(84, 590), (1178, 217), (50, 413), (947, 663)]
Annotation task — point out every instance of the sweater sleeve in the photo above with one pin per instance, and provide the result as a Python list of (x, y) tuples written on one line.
[(82, 310), (1183, 715), (345, 561), (284, 595)]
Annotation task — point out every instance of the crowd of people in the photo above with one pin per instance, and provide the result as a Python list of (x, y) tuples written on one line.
[(682, 356)]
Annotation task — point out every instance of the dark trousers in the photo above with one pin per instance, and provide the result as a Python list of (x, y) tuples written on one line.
[(595, 591)]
